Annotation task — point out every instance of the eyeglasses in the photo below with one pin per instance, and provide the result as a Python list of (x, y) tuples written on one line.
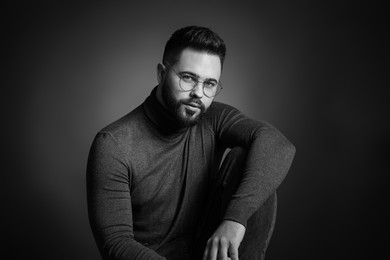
[(188, 82)]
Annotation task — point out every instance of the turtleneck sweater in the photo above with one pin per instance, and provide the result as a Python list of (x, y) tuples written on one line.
[(148, 177)]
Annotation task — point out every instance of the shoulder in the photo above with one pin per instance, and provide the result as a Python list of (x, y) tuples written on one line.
[(118, 138), (219, 108), (220, 114), (124, 126)]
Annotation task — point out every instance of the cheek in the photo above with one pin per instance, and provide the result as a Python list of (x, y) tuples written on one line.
[(175, 89), (171, 89), (180, 95)]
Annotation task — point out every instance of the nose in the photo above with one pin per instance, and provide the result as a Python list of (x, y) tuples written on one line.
[(197, 91)]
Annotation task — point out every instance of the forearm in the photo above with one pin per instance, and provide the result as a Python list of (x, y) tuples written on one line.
[(117, 245), (269, 158)]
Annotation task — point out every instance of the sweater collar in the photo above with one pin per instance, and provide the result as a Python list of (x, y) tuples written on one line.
[(160, 117)]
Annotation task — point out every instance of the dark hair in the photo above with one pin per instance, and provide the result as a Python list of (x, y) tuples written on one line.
[(197, 38)]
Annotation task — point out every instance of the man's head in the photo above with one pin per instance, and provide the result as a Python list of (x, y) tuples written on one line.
[(192, 54), (194, 37)]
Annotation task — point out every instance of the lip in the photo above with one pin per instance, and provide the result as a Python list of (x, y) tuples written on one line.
[(192, 104)]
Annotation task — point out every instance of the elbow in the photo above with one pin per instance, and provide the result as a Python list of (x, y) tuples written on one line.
[(286, 152), (279, 148), (290, 149)]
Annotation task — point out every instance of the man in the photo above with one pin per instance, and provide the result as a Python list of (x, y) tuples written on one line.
[(154, 182)]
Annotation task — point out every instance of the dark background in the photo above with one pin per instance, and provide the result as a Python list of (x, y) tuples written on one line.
[(315, 71)]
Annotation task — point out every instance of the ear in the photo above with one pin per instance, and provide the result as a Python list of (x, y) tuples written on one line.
[(160, 72)]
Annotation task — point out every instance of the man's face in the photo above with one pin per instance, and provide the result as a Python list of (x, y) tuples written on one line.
[(188, 107)]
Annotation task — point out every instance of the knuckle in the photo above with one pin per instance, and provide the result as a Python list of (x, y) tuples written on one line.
[(223, 240)]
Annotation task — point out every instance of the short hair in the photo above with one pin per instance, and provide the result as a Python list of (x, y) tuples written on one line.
[(194, 37)]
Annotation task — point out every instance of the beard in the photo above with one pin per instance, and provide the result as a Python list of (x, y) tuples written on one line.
[(179, 108)]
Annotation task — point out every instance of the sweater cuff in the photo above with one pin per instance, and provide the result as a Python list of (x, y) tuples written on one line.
[(240, 216)]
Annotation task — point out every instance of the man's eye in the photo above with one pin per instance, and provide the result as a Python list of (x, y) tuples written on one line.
[(210, 84), (188, 78)]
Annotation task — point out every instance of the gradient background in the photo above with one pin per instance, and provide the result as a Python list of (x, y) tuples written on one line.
[(314, 71)]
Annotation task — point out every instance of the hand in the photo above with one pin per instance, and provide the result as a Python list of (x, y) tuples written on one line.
[(225, 241)]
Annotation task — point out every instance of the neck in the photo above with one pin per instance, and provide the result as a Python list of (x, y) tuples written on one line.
[(157, 113)]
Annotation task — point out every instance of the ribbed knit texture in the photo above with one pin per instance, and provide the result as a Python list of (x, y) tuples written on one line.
[(147, 178)]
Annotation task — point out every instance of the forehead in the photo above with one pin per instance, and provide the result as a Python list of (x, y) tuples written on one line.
[(204, 64)]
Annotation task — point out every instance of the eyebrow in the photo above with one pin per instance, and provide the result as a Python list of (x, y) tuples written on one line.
[(197, 76)]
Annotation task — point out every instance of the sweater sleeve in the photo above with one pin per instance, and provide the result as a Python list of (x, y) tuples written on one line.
[(109, 202), (269, 158)]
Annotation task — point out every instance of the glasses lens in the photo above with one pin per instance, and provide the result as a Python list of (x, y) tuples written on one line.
[(212, 92), (187, 85)]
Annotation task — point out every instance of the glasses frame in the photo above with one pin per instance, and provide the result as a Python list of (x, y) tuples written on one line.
[(219, 84)]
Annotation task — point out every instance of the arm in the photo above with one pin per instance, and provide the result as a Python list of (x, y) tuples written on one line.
[(269, 157), (109, 202)]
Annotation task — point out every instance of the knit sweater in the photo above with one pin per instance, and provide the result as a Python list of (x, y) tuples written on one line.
[(147, 178)]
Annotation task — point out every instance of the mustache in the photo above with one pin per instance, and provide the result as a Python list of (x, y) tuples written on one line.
[(193, 100)]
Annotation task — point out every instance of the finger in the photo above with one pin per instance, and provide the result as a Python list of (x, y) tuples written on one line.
[(213, 250), (233, 253), (206, 252), (223, 249)]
